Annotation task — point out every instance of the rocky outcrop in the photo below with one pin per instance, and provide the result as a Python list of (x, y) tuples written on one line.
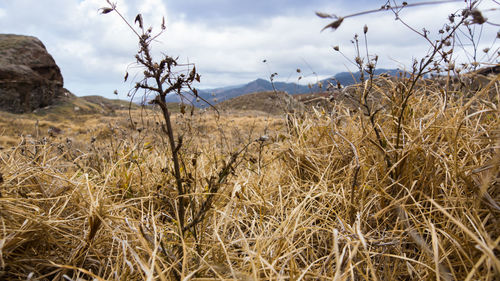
[(29, 76)]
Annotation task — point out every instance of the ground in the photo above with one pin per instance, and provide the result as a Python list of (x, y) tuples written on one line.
[(321, 193)]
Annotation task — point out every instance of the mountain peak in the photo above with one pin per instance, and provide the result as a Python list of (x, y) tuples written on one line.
[(259, 81)]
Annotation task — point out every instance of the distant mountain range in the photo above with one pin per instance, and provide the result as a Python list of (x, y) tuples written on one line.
[(217, 95)]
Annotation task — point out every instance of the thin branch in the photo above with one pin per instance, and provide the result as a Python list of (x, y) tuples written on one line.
[(399, 7)]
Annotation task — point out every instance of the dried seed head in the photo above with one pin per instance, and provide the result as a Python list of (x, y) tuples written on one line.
[(105, 10), (365, 29), (138, 18), (336, 48), (451, 18), (334, 25), (425, 32), (323, 15), (358, 60), (486, 50), (477, 17)]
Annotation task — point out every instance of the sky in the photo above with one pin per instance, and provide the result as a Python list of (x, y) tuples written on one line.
[(227, 40)]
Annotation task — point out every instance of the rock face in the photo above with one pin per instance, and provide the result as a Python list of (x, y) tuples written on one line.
[(29, 76)]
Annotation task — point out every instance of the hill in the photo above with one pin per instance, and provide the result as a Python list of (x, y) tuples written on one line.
[(108, 103), (268, 101), (76, 106)]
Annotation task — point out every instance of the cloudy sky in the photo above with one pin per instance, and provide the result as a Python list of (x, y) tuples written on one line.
[(226, 39)]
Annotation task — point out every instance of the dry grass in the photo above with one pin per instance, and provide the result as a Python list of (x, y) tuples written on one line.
[(295, 209)]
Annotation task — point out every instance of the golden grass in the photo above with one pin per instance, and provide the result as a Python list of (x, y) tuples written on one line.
[(294, 209)]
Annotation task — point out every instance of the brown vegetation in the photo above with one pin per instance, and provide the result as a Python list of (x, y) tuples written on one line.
[(91, 207), (395, 179)]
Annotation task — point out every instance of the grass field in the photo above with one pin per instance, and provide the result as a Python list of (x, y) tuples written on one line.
[(312, 196)]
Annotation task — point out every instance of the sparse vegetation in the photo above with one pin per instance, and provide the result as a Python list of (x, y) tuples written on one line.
[(396, 180)]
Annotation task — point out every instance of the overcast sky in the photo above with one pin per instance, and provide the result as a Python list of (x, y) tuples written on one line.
[(226, 39)]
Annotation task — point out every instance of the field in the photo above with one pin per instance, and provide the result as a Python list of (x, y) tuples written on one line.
[(317, 194)]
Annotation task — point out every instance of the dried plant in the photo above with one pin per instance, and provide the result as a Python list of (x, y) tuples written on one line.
[(168, 76), (439, 57), (383, 100), (319, 202)]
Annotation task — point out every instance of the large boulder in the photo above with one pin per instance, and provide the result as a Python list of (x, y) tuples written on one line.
[(29, 76)]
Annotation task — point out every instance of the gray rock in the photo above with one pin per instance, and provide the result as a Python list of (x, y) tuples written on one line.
[(29, 76)]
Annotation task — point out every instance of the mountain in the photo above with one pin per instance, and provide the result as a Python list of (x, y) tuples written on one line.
[(218, 95), (259, 85)]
